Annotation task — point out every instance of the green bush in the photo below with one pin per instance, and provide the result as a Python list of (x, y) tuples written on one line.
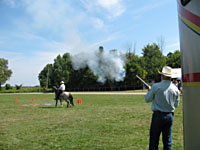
[(26, 90), (8, 87), (18, 87)]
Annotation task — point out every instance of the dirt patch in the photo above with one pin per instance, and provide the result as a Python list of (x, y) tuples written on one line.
[(28, 105)]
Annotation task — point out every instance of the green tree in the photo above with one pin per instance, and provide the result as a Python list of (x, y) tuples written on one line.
[(5, 73), (134, 66), (8, 86), (45, 76), (61, 69), (174, 59), (18, 86), (154, 61), (101, 49), (82, 78)]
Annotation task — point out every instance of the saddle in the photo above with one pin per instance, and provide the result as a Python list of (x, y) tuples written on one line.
[(63, 94)]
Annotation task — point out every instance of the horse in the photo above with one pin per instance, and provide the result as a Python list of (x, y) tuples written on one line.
[(64, 96)]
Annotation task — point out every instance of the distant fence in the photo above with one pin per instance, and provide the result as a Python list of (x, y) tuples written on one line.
[(39, 89), (119, 88)]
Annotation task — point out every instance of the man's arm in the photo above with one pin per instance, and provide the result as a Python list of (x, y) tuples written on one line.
[(177, 99), (150, 95)]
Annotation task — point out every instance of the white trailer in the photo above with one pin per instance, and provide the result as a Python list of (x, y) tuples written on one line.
[(189, 30)]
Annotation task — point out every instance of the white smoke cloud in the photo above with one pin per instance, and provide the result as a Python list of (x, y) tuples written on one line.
[(105, 65)]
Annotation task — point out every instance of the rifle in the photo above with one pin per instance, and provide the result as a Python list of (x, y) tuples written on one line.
[(148, 86)]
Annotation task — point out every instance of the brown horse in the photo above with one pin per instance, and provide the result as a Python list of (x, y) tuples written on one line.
[(64, 96)]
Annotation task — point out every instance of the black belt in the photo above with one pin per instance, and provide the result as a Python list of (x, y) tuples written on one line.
[(160, 112)]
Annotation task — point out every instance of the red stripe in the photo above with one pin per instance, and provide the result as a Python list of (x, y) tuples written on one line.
[(193, 77), (189, 16)]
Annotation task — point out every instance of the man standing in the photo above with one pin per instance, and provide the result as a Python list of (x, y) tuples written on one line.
[(164, 97)]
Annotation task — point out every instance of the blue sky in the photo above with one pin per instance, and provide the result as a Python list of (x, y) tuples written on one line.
[(34, 32)]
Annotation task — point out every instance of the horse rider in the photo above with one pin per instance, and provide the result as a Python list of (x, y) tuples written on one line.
[(60, 90)]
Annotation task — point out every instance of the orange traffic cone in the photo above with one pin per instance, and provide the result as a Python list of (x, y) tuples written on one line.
[(32, 99), (16, 100), (79, 101)]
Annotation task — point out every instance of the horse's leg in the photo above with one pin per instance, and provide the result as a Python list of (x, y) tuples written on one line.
[(61, 103), (56, 103), (67, 102), (72, 102), (71, 99)]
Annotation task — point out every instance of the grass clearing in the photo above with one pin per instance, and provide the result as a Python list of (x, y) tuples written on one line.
[(101, 122)]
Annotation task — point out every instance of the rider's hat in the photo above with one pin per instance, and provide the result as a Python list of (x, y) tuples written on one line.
[(167, 71), (62, 82)]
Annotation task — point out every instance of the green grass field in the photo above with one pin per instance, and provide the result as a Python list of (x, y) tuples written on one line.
[(101, 122)]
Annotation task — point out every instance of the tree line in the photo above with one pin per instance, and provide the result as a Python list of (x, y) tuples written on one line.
[(146, 66)]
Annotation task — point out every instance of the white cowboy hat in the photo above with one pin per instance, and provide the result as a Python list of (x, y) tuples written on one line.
[(62, 82), (168, 72)]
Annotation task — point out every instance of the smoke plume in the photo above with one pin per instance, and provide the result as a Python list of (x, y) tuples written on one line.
[(105, 65)]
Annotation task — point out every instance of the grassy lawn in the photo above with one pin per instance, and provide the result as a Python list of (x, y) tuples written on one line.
[(101, 122)]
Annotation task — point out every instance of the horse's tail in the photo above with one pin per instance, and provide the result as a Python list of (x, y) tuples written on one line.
[(71, 99), (70, 96)]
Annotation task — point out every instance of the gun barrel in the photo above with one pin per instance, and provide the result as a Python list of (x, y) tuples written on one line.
[(142, 81)]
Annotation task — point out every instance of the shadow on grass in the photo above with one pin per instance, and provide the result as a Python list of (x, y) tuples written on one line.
[(48, 107)]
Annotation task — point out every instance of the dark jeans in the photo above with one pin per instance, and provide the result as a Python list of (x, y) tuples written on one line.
[(161, 123)]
